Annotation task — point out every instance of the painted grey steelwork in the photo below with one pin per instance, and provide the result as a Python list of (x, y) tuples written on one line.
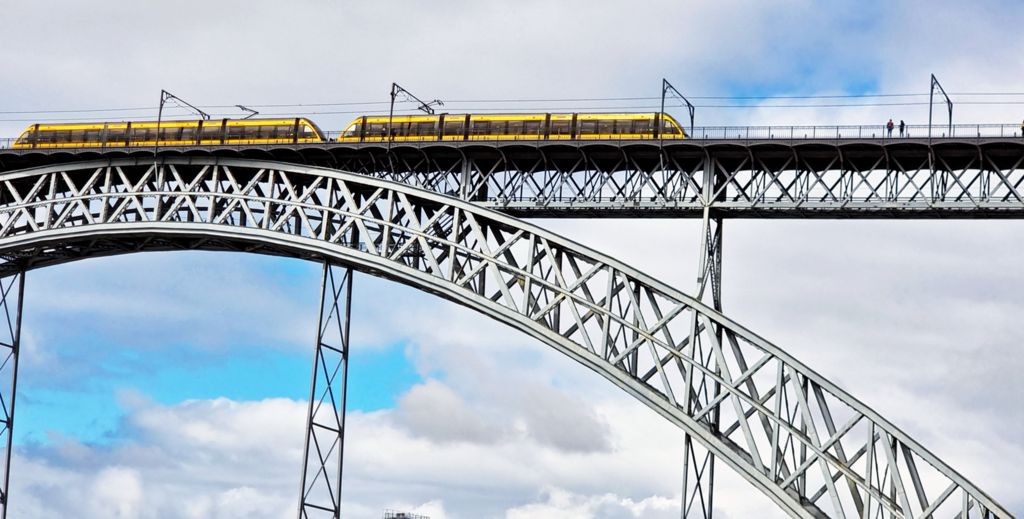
[(813, 449), (320, 494), (753, 178), (698, 489), (12, 298)]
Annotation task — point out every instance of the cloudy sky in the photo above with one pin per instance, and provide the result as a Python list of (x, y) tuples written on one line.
[(169, 385)]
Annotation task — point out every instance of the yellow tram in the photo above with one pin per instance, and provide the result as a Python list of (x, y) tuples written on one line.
[(172, 133), (470, 127), (402, 128)]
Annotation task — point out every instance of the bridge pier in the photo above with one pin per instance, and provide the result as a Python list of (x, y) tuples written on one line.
[(699, 463), (12, 297), (325, 425)]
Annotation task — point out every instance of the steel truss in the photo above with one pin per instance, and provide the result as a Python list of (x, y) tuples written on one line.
[(760, 178), (811, 448), (325, 424), (698, 462), (12, 297)]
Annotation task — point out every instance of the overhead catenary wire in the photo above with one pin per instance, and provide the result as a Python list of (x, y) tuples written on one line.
[(568, 105), (583, 100)]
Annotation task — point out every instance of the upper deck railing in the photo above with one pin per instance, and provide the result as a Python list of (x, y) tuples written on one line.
[(771, 132)]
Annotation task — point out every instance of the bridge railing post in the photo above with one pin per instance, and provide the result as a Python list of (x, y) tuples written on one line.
[(12, 296), (325, 426)]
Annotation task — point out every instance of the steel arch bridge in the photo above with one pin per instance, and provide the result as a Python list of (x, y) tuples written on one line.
[(810, 447)]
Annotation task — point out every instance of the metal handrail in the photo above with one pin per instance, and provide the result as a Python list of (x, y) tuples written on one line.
[(766, 132)]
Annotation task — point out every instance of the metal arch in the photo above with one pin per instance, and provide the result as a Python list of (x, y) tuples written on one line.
[(813, 449)]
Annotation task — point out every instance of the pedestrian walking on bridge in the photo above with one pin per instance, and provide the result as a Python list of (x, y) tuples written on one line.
[(889, 126)]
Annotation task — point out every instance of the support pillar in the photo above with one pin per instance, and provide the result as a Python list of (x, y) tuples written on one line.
[(12, 296), (325, 425), (699, 463)]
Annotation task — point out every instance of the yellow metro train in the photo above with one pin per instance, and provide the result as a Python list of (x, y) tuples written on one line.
[(469, 127), (404, 128), (172, 133)]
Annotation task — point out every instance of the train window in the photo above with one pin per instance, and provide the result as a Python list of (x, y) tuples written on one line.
[(92, 135), (481, 127), (605, 127), (375, 129), (560, 127), (456, 127), (188, 134), (515, 127), (236, 132), (499, 127), (531, 127), (588, 127), (421, 128), (170, 134), (211, 133), (139, 134), (115, 134)]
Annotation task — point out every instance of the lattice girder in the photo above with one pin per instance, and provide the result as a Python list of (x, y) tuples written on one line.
[(814, 450)]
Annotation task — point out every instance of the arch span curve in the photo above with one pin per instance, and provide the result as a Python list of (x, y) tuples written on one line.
[(813, 449)]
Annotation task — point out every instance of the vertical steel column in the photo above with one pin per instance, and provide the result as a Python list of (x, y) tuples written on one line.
[(699, 463), (12, 297), (325, 425)]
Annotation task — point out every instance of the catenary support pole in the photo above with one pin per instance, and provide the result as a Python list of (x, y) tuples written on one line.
[(325, 426), (12, 297), (699, 463)]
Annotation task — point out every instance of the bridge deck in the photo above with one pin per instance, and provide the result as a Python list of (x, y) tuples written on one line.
[(957, 177)]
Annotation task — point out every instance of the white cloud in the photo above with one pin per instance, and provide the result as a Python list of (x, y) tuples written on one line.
[(437, 413), (220, 458), (560, 504)]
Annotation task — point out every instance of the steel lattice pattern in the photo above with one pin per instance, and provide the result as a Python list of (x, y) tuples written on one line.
[(808, 445), (769, 180), (751, 178)]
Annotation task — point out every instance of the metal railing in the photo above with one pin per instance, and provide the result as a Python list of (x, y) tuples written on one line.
[(771, 132), (873, 131)]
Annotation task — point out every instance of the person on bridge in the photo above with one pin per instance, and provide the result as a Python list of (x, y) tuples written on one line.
[(903, 126), (1022, 128), (889, 126)]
